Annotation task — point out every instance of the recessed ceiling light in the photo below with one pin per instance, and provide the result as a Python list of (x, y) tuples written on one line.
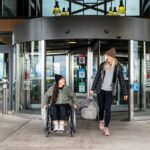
[(72, 42)]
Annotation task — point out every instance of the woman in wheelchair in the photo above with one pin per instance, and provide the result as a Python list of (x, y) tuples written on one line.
[(61, 98)]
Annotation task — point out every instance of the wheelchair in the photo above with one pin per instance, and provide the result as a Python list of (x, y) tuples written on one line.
[(70, 121)]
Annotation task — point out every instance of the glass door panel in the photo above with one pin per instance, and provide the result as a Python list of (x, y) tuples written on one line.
[(80, 73), (30, 73), (55, 64), (141, 85), (137, 72), (118, 100), (147, 79), (122, 56), (4, 65), (4, 74), (95, 64)]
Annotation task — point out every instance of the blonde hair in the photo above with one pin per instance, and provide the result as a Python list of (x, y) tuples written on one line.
[(107, 65)]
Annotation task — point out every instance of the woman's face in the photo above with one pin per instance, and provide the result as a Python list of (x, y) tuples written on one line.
[(109, 59), (61, 82)]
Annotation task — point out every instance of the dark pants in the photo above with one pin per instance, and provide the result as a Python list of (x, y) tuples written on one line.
[(104, 101), (59, 111)]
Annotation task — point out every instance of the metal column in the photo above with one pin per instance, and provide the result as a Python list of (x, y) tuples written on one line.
[(89, 70), (17, 76), (42, 46), (143, 76), (131, 81)]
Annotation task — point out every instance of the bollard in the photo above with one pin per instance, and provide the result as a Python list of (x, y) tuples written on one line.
[(4, 106)]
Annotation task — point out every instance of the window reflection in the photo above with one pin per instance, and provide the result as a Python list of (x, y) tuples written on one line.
[(55, 64), (9, 8), (20, 8)]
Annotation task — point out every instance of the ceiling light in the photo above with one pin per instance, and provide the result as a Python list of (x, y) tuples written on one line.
[(56, 10), (63, 13), (121, 9), (115, 13), (110, 12), (68, 12), (72, 42)]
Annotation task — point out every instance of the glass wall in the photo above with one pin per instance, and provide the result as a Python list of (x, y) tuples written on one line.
[(38, 8), (4, 74), (48, 6), (146, 104), (4, 65), (91, 7), (77, 8), (20, 8), (137, 74), (132, 7), (9, 8), (141, 84), (145, 8), (30, 75)]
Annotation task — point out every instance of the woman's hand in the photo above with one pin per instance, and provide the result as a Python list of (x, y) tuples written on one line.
[(125, 97), (91, 92), (45, 106), (74, 106)]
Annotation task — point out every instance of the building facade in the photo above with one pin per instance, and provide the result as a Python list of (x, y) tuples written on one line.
[(39, 43)]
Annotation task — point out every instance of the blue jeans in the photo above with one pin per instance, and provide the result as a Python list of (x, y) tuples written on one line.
[(104, 101)]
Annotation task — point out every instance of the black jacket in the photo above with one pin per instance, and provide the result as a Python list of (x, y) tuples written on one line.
[(118, 75)]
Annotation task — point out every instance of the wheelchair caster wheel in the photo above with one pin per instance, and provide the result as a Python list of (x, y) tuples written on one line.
[(47, 134), (72, 133), (45, 130)]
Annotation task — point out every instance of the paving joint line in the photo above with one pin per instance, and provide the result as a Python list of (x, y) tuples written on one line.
[(11, 134)]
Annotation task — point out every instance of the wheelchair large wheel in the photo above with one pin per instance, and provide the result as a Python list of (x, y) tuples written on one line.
[(71, 130), (47, 133), (74, 121), (71, 126), (48, 126)]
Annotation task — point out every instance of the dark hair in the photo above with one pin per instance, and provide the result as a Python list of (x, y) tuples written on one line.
[(55, 93)]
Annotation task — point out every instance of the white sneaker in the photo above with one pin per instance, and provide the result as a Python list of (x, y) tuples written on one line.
[(61, 125), (55, 123)]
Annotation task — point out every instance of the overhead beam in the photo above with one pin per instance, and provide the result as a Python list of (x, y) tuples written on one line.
[(86, 6)]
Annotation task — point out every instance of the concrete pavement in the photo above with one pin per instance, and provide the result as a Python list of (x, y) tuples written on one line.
[(26, 133)]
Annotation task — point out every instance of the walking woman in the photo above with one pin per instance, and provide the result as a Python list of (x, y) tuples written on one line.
[(61, 98), (109, 72)]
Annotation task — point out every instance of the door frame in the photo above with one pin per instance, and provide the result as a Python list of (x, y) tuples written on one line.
[(9, 49)]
